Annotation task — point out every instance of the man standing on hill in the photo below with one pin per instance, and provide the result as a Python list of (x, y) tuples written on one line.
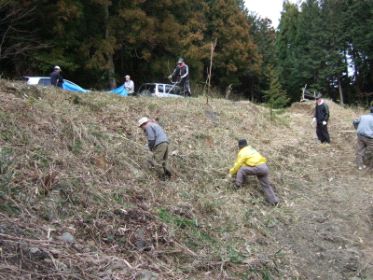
[(250, 162), (364, 126), (158, 144), (181, 76), (56, 77), (129, 85), (321, 117)]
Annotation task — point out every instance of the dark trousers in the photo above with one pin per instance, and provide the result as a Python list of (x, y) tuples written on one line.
[(322, 133), (185, 87)]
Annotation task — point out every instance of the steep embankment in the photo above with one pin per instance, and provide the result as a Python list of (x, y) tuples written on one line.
[(76, 200)]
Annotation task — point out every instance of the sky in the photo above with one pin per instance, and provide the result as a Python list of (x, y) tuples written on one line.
[(267, 9)]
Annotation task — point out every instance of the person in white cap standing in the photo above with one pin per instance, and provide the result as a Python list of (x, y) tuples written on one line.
[(56, 77), (129, 85), (158, 144)]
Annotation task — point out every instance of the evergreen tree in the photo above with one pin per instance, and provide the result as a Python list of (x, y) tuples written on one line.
[(264, 36), (236, 53), (286, 50), (275, 96)]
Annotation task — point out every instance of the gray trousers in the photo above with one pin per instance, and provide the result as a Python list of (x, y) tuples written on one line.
[(261, 171), (363, 143)]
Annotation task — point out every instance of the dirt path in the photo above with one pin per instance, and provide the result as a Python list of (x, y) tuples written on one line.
[(330, 236)]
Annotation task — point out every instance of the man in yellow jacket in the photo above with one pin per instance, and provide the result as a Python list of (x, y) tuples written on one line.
[(250, 162)]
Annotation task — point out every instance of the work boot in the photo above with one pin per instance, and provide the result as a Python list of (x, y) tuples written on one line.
[(236, 186), (167, 173), (274, 204), (362, 167), (165, 176)]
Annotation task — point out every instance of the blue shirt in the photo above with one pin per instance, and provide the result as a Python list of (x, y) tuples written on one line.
[(154, 132), (365, 125)]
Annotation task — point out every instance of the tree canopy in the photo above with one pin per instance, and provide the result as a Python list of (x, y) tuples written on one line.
[(325, 44)]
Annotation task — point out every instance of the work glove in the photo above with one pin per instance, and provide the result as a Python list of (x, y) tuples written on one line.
[(324, 123), (313, 121), (170, 77), (229, 176)]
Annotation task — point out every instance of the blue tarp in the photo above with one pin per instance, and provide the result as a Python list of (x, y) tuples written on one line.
[(67, 85), (120, 91), (70, 86)]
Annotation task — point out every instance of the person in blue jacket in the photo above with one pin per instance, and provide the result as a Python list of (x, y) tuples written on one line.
[(158, 145), (364, 130)]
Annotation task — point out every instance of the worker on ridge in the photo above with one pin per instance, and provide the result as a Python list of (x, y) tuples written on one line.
[(56, 77), (250, 162), (364, 130), (181, 76), (129, 85), (321, 118), (158, 145)]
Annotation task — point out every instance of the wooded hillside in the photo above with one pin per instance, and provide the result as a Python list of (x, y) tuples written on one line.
[(325, 44)]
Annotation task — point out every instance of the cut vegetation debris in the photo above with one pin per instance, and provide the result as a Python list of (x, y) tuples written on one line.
[(77, 202)]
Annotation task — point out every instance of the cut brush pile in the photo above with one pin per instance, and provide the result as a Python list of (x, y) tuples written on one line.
[(78, 202)]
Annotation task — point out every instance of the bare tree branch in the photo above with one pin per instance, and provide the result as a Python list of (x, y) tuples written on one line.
[(17, 36)]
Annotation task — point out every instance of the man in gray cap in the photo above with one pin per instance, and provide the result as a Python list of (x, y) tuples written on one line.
[(158, 144), (364, 130), (250, 162), (181, 76)]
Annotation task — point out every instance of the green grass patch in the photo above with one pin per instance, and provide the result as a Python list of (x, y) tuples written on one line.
[(195, 236)]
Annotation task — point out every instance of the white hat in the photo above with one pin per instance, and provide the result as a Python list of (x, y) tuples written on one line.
[(142, 121), (57, 67)]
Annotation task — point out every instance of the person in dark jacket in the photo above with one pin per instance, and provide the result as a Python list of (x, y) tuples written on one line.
[(56, 77), (322, 117), (181, 76), (158, 144)]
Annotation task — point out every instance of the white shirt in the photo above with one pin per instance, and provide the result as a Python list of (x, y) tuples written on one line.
[(129, 86)]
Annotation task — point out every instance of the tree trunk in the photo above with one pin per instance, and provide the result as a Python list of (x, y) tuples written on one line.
[(341, 101), (213, 45), (109, 55)]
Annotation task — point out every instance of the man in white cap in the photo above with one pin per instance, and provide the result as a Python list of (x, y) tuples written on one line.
[(158, 144), (56, 77), (181, 76), (129, 85)]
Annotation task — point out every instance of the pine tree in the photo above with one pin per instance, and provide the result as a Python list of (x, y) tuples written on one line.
[(275, 96), (264, 36), (287, 50)]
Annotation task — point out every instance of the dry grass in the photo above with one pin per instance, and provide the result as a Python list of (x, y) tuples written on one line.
[(75, 164)]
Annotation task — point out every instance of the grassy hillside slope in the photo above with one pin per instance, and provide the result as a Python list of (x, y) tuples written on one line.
[(77, 201)]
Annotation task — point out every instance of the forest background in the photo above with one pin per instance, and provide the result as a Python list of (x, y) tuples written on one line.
[(325, 44)]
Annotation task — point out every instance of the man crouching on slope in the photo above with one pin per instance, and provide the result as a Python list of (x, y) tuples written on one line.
[(158, 144), (250, 162)]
